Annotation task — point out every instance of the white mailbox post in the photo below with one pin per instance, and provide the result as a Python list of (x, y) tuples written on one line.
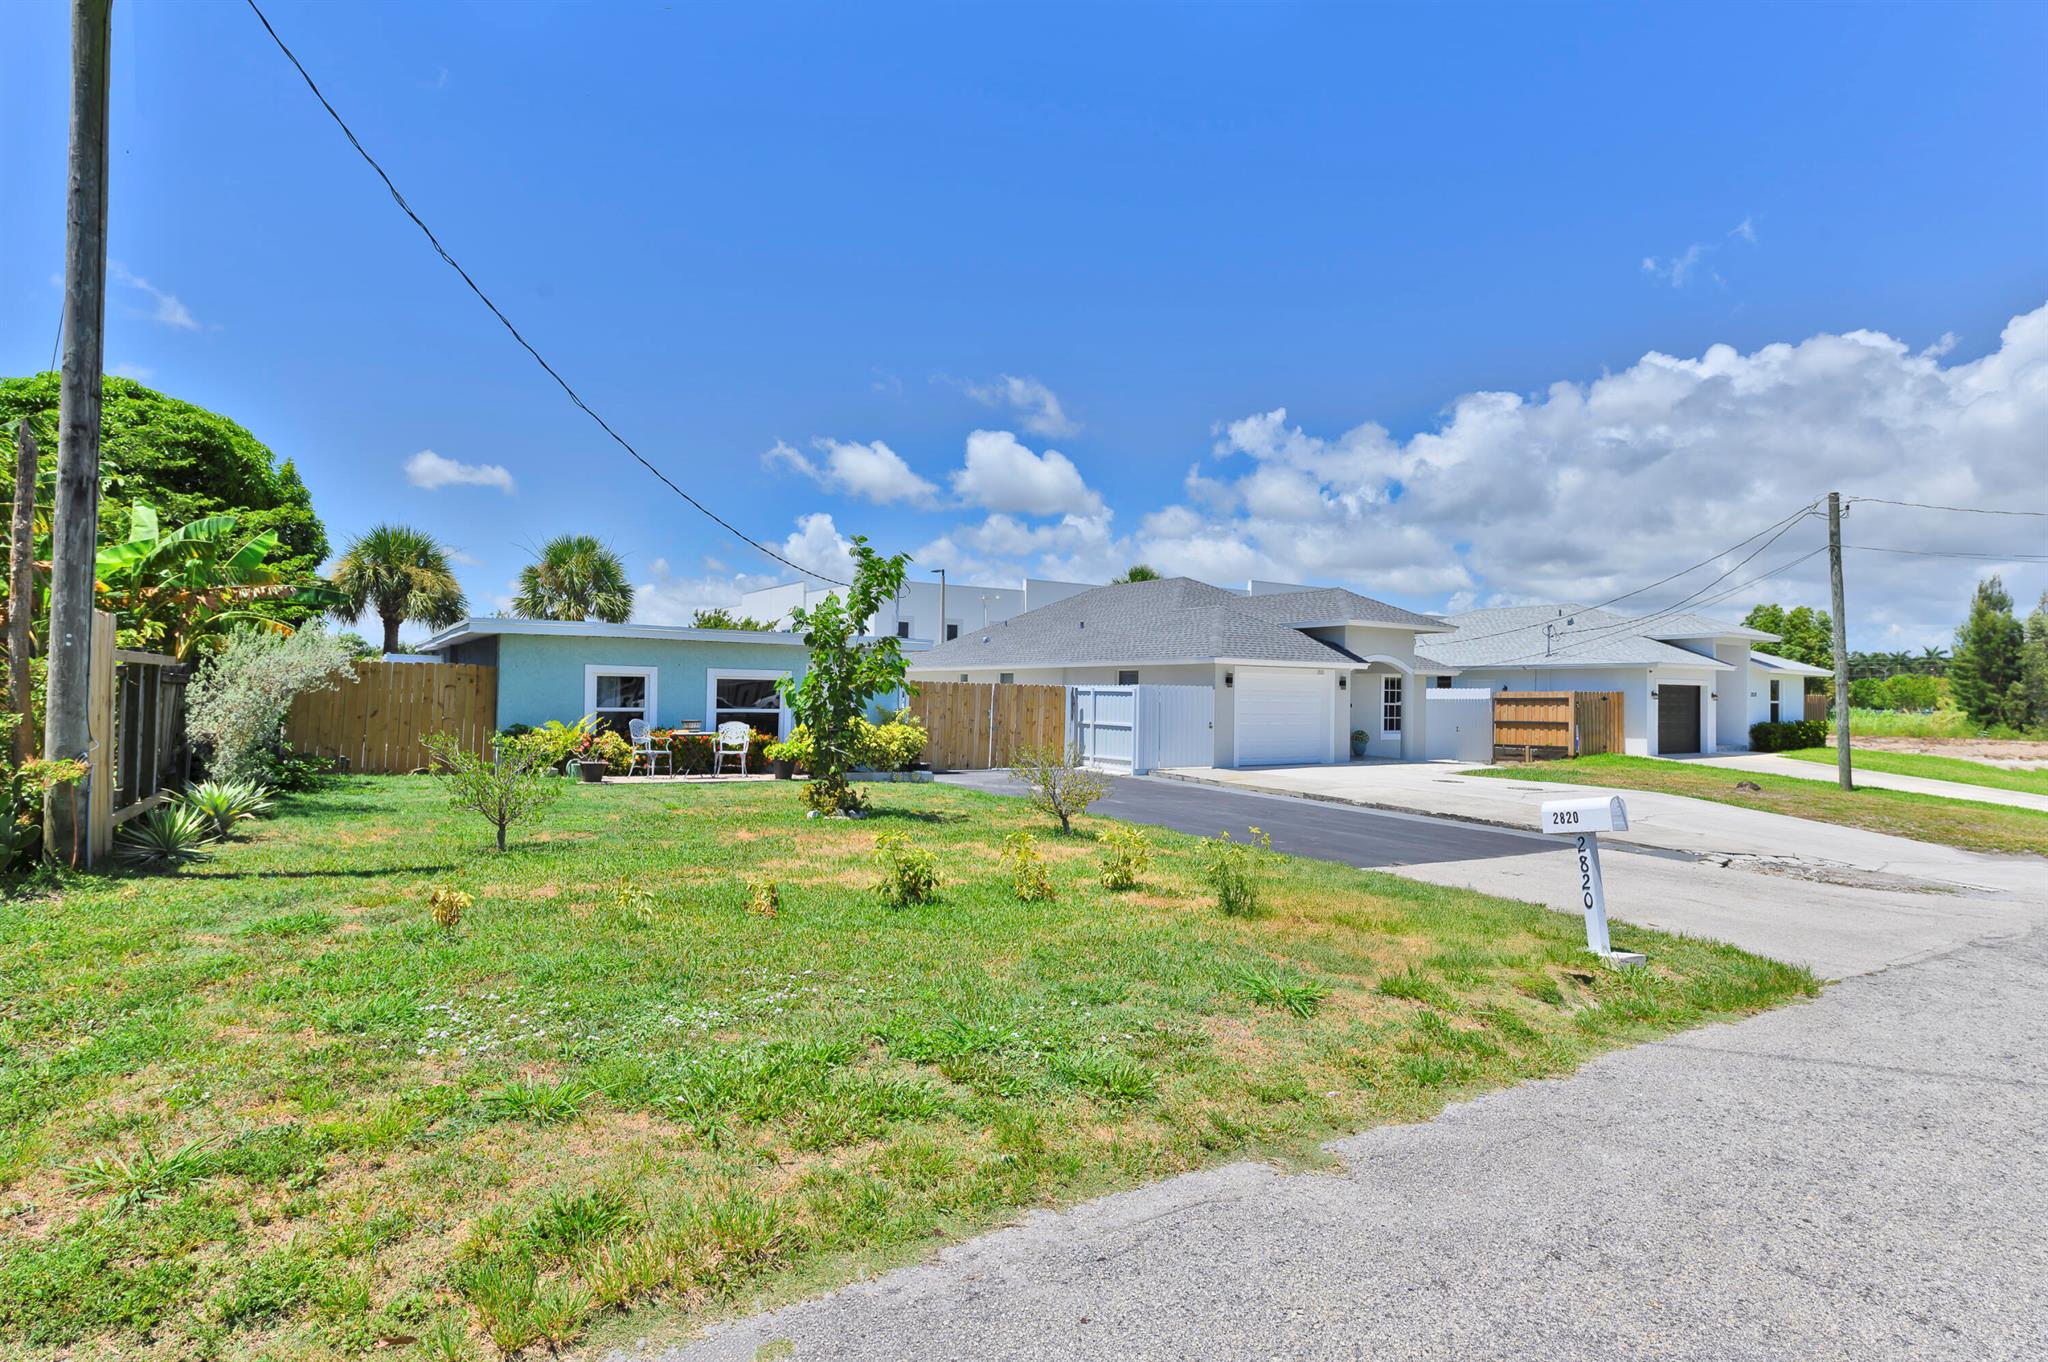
[(1583, 820)]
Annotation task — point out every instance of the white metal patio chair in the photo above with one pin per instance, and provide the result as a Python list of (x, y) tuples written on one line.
[(646, 749), (734, 738)]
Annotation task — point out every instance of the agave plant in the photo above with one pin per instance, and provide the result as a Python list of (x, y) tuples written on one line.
[(168, 836), (225, 803)]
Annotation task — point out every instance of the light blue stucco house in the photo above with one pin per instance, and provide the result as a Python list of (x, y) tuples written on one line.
[(666, 674)]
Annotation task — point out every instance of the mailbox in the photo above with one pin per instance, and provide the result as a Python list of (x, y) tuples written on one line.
[(1567, 816), (1583, 820)]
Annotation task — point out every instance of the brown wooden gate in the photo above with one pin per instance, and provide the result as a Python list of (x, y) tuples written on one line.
[(1545, 725), (976, 726), (377, 721)]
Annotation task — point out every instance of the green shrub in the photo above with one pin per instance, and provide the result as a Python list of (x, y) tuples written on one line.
[(1029, 873), (910, 874), (613, 749), (554, 742), (892, 746), (1232, 870), (506, 787), (224, 803), (1788, 735), (237, 703), (1126, 858), (1060, 785), (165, 838)]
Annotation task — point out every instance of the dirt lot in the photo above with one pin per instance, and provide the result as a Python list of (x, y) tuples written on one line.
[(2009, 753)]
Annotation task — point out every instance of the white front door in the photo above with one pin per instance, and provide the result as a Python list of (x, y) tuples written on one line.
[(1283, 716)]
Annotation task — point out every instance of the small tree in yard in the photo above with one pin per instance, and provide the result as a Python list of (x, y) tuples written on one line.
[(845, 676), (238, 702), (1060, 785), (506, 787)]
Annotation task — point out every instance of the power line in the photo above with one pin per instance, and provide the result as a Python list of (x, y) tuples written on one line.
[(485, 298), (1967, 510), (1947, 553), (1691, 599), (1779, 525)]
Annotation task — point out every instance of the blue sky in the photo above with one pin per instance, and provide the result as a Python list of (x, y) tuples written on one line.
[(823, 228)]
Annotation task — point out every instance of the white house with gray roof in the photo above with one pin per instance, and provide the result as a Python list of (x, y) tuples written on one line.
[(1294, 670), (1689, 683)]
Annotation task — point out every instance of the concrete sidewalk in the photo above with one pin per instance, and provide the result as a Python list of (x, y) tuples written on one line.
[(1765, 763), (1863, 1176)]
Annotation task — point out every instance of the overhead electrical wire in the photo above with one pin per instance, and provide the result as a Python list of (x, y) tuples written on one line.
[(505, 321), (1965, 510), (1952, 553), (1779, 525)]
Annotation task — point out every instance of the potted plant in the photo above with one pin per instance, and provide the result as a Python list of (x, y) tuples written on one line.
[(780, 759), (1357, 743)]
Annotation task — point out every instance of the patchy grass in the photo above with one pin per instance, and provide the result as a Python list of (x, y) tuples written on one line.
[(1959, 769), (269, 1108), (1924, 818)]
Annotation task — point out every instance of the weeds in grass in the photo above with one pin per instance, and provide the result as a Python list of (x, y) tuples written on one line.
[(764, 898), (1127, 855), (144, 1177), (1415, 986), (502, 1293), (910, 873), (1109, 1074), (1030, 876), (1232, 870), (633, 903), (446, 1340), (567, 1224), (537, 1101), (1270, 989)]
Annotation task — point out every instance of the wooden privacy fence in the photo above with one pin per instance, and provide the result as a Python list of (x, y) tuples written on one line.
[(1543, 725), (1817, 703), (377, 721), (976, 726)]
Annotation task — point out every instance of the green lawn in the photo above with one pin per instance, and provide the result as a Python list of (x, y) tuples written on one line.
[(266, 1108), (1924, 818), (1934, 768)]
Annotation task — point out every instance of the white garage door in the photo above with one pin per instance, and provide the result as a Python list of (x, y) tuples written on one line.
[(1283, 716)]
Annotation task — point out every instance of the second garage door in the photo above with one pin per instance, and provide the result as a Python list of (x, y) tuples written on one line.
[(1283, 716), (1678, 720)]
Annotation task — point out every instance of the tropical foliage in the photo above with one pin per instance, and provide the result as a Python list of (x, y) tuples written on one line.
[(226, 803), (187, 462), (576, 577), (846, 674), (1804, 634), (1986, 671), (398, 573), (1136, 572), (179, 590), (718, 617), (165, 838)]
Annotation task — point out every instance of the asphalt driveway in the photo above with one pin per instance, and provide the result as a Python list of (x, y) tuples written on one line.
[(1299, 827)]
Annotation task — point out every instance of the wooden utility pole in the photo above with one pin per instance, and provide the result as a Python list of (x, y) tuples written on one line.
[(75, 526), (1841, 643), (21, 592)]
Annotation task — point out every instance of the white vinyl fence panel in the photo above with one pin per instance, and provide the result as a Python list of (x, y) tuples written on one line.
[(1459, 724), (1134, 729)]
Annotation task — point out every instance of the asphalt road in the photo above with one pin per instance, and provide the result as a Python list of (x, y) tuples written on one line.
[(1860, 1177), (1300, 827)]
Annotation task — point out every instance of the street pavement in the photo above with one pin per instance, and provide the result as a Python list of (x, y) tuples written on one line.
[(1863, 1176)]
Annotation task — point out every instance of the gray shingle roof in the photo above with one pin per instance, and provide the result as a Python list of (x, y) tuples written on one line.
[(1174, 619), (1514, 636), (1333, 605), (1771, 662)]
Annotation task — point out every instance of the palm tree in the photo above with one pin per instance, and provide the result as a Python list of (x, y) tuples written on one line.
[(401, 574), (1136, 572), (575, 578)]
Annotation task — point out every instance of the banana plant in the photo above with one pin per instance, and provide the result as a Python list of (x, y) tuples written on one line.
[(179, 589)]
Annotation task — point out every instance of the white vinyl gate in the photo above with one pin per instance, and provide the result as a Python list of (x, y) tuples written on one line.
[(1459, 724), (1134, 729)]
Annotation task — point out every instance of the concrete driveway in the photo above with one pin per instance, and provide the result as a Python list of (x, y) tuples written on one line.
[(1859, 1177)]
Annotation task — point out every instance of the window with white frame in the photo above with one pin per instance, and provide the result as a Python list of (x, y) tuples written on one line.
[(1390, 704), (619, 695), (1774, 700), (903, 628), (749, 697)]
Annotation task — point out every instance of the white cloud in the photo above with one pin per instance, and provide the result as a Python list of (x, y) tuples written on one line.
[(1002, 475), (872, 471), (1679, 270), (1589, 489), (1037, 406), (816, 544), (164, 307), (666, 598), (433, 471)]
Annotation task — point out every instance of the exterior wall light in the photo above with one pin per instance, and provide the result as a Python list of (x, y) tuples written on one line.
[(1229, 678)]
